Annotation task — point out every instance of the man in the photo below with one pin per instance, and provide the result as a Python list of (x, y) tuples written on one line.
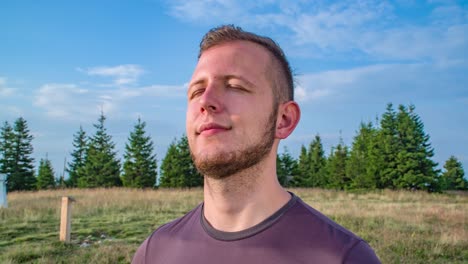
[(240, 105)]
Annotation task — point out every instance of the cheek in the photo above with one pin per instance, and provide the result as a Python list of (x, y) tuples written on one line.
[(191, 112)]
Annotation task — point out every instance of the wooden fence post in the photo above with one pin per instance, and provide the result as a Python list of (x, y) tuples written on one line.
[(65, 219)]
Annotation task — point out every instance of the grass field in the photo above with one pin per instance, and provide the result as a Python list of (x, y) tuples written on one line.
[(109, 224)]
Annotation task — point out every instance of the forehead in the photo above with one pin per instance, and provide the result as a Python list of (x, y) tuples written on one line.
[(243, 58)]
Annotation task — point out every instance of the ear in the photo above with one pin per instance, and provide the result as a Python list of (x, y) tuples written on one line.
[(288, 117)]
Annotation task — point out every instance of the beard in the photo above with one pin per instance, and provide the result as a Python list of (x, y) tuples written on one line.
[(226, 164)]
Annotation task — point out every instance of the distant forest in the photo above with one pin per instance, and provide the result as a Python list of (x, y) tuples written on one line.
[(393, 153)]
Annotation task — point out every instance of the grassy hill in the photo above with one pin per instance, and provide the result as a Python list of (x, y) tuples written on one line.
[(109, 224)]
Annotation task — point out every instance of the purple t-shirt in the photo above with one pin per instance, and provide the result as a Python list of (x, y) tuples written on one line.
[(296, 233)]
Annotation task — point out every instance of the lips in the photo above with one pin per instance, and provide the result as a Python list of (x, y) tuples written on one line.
[(211, 128)]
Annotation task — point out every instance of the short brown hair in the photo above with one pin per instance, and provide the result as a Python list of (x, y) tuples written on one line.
[(228, 33)]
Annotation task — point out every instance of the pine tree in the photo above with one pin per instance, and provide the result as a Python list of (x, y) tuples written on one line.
[(169, 167), (22, 171), (140, 167), (453, 176), (358, 163), (415, 169), (45, 175), (286, 167), (317, 162), (303, 169), (80, 142), (190, 176), (336, 167), (101, 168), (383, 151), (177, 168), (7, 153)]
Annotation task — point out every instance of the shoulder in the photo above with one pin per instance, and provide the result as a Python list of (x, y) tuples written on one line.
[(314, 217), (361, 253), (165, 232), (333, 239), (305, 217), (139, 257), (180, 224)]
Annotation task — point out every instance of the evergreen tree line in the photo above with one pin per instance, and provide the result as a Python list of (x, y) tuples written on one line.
[(94, 160), (393, 153), (95, 163)]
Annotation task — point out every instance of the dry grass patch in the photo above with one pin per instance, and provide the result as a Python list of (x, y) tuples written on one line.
[(109, 224)]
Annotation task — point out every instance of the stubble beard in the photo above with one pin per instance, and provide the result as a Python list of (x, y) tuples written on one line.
[(230, 163)]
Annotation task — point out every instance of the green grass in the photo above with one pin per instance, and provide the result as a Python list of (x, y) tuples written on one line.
[(109, 224)]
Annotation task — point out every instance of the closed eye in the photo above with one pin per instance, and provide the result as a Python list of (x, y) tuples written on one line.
[(237, 87), (196, 93)]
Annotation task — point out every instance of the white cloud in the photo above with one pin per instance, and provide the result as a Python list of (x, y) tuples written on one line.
[(315, 86), (417, 43), (337, 26), (367, 28), (449, 14), (385, 83), (303, 95), (71, 102), (66, 101), (374, 30), (152, 91), (11, 110), (210, 10), (5, 91), (122, 74)]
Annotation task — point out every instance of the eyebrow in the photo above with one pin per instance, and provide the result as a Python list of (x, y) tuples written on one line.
[(225, 78), (195, 83)]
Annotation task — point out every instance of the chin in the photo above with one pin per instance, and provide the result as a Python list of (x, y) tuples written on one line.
[(215, 153), (213, 146)]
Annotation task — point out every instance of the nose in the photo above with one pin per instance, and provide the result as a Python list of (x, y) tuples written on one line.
[(211, 100)]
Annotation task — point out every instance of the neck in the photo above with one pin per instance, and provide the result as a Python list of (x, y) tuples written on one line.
[(244, 199)]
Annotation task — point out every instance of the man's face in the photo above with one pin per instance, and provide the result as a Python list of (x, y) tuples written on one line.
[(231, 118)]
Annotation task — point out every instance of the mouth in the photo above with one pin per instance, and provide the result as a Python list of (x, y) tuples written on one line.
[(211, 129)]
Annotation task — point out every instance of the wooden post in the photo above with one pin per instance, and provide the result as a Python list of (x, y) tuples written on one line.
[(65, 219)]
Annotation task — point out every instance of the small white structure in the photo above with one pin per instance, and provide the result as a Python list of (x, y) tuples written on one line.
[(3, 191)]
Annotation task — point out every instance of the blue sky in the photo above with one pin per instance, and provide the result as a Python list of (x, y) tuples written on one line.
[(61, 62)]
